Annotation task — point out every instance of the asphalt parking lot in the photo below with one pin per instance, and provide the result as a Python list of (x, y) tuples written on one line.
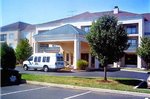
[(28, 91)]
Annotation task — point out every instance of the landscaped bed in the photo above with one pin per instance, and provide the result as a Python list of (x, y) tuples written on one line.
[(124, 84)]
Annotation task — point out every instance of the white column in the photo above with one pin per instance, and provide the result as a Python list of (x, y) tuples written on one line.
[(35, 47), (76, 52), (139, 62), (140, 32), (89, 60), (96, 63)]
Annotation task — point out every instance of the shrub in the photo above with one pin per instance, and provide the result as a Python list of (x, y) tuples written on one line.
[(8, 58), (82, 64)]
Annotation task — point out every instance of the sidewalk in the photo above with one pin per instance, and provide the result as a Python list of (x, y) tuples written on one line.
[(89, 88), (132, 70)]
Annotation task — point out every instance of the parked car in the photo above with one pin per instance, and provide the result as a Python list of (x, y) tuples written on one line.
[(148, 81), (44, 61)]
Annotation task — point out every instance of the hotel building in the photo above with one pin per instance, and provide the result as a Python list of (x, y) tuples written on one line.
[(67, 36)]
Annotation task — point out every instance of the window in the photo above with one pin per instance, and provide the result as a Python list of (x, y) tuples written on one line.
[(43, 45), (46, 59), (131, 29), (41, 31), (11, 36), (59, 58), (3, 37), (30, 59), (39, 59), (35, 59), (133, 43), (86, 28), (67, 57)]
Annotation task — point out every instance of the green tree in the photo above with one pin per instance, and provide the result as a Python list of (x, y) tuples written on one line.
[(107, 40), (8, 58), (23, 50), (144, 50)]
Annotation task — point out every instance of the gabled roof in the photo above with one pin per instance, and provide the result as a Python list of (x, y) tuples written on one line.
[(64, 30), (87, 16), (146, 16), (20, 26)]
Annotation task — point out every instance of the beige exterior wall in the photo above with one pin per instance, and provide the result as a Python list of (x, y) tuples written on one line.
[(16, 37)]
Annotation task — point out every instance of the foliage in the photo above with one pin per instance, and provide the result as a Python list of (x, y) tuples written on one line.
[(107, 40), (23, 50), (144, 50), (8, 58), (82, 64)]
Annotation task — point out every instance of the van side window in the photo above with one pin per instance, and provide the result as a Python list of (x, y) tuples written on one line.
[(39, 59), (30, 58), (35, 59), (48, 59), (44, 59)]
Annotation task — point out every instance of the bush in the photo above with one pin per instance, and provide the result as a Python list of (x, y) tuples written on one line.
[(82, 64), (8, 58)]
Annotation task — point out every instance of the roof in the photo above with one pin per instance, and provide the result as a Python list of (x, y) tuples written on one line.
[(21, 26), (146, 16), (87, 16), (64, 30)]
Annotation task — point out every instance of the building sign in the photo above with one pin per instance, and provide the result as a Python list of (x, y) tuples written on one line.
[(50, 49)]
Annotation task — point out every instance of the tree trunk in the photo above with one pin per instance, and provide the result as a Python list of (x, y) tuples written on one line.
[(105, 71)]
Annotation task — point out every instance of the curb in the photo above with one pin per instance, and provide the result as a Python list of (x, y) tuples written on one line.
[(89, 88), (135, 71)]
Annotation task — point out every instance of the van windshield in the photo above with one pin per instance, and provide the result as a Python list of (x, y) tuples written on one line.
[(59, 58)]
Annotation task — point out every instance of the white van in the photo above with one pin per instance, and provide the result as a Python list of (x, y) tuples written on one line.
[(44, 61)]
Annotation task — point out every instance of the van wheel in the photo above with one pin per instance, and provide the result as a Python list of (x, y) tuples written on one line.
[(25, 67), (45, 68)]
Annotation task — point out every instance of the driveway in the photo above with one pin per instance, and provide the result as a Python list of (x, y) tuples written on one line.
[(122, 74), (26, 91)]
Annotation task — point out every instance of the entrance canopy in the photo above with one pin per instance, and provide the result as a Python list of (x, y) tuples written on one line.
[(63, 33)]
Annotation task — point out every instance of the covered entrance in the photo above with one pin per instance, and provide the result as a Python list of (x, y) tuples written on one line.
[(70, 40)]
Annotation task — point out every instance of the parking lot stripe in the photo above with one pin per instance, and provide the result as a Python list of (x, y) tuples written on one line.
[(78, 95), (22, 91)]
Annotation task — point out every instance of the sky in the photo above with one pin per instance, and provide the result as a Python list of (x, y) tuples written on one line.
[(40, 11)]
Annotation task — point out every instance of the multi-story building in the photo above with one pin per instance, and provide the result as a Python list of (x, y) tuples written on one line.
[(13, 33), (76, 47), (68, 36)]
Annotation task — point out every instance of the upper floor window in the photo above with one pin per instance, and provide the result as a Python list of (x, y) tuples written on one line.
[(133, 43), (11, 36), (3, 37), (86, 28), (24, 35), (131, 30)]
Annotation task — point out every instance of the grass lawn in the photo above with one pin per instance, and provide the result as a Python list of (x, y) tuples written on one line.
[(123, 84)]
